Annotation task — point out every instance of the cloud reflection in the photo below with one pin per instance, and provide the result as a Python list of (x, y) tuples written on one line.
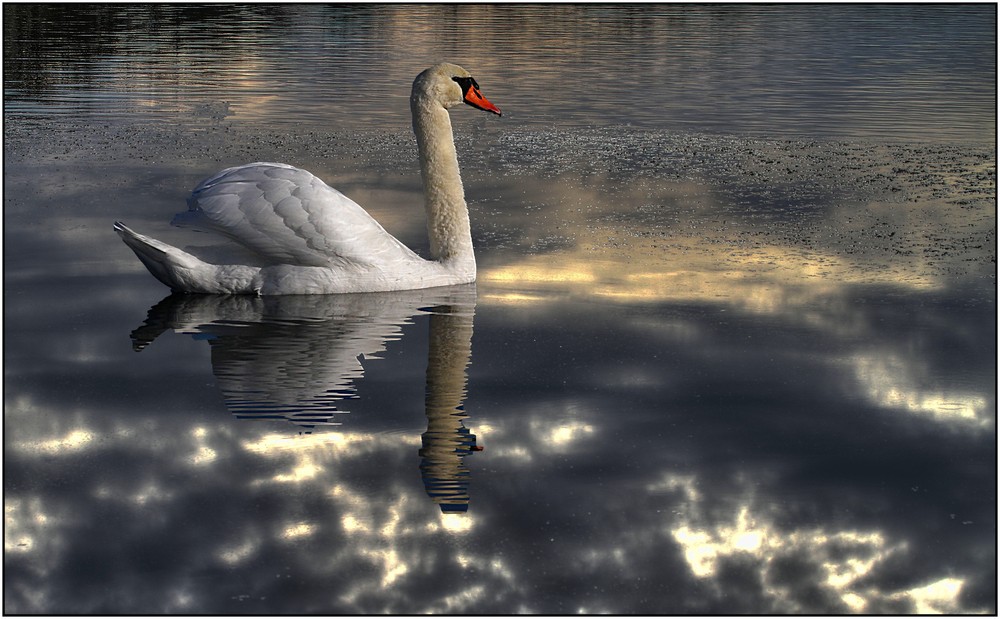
[(665, 263), (671, 426), (797, 567), (890, 381), (581, 503)]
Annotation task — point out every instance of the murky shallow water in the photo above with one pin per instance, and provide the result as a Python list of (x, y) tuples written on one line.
[(708, 373)]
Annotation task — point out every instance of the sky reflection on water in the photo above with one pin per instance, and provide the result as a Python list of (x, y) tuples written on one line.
[(685, 405), (638, 458)]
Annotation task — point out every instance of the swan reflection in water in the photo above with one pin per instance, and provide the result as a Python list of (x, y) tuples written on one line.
[(297, 357), (447, 441)]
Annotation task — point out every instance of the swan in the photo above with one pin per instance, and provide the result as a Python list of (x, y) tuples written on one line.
[(311, 239)]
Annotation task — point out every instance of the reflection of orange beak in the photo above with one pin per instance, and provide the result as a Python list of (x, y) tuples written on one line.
[(477, 447), (474, 98)]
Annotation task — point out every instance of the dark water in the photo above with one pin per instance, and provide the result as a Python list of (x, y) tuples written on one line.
[(732, 348), (908, 72)]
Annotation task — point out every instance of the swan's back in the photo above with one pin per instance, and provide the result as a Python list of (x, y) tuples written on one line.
[(289, 216)]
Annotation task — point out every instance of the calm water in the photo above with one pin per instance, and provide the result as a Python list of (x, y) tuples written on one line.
[(924, 72), (732, 348)]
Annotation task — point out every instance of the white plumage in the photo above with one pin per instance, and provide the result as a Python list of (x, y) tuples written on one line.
[(289, 216), (309, 238)]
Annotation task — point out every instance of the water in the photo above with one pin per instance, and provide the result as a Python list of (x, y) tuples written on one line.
[(924, 72), (732, 347)]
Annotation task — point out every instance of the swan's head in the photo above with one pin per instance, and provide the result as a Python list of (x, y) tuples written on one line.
[(447, 85)]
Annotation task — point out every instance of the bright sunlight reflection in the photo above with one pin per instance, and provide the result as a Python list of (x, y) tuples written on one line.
[(893, 382), (844, 558), (457, 522), (73, 441)]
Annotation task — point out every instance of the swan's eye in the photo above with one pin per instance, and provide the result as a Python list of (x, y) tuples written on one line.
[(465, 83)]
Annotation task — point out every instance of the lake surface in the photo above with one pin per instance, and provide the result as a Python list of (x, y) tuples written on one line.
[(732, 348)]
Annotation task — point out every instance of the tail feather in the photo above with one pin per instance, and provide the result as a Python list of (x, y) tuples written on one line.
[(183, 272), (162, 260)]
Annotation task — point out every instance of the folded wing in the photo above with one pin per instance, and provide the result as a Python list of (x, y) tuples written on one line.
[(289, 216)]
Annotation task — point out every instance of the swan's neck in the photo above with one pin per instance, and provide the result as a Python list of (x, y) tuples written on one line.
[(447, 213)]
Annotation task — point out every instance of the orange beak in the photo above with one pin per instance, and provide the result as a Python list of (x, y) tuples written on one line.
[(474, 98)]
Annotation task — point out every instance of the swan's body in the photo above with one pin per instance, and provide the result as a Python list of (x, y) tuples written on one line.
[(308, 238)]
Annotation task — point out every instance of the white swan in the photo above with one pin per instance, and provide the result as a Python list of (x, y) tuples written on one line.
[(310, 238)]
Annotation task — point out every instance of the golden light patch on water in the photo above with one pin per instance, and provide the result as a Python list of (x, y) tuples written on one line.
[(765, 279)]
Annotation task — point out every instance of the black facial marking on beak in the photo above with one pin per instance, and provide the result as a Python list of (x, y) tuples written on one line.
[(472, 96), (466, 83)]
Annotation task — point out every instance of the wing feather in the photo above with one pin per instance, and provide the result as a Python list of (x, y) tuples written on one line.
[(289, 216)]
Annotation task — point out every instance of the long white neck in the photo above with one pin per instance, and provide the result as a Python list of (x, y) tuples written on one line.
[(447, 213)]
